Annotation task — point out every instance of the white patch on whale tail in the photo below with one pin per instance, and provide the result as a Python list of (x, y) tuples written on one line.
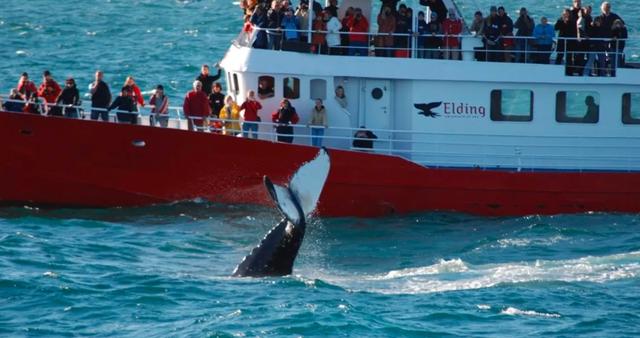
[(299, 200), (307, 183)]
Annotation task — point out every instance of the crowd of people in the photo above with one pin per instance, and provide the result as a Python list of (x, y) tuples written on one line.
[(205, 106), (586, 43)]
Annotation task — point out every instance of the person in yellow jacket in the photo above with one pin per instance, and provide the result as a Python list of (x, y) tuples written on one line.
[(231, 112)]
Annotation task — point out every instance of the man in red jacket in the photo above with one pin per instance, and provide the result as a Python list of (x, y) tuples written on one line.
[(196, 106), (26, 87), (358, 39), (49, 90)]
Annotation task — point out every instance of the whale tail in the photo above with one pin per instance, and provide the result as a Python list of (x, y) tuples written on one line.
[(277, 251)]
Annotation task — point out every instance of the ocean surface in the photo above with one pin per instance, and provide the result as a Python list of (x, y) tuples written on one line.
[(163, 271)]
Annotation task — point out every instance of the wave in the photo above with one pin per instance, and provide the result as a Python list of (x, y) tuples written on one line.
[(512, 311), (455, 274)]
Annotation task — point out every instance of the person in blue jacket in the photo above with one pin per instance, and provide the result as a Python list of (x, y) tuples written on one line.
[(544, 33)]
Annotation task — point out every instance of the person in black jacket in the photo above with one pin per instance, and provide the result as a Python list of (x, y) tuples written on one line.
[(70, 96), (100, 98), (15, 103), (206, 79), (285, 117), (125, 106), (216, 100)]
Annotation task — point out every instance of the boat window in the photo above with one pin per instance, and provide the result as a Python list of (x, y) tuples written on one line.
[(266, 86), (377, 93), (631, 108), (318, 89), (230, 83), (577, 107), (291, 87), (511, 105), (236, 87)]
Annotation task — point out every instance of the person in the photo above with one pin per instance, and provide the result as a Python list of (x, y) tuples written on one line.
[(159, 108), (318, 123), (344, 37), (386, 27), (543, 34), (290, 26), (196, 106), (125, 106), (137, 93), (259, 20), (333, 33), (319, 37), (100, 98), (403, 29), (70, 97), (433, 41), (14, 103), (250, 106), (525, 25), (506, 31), (438, 7), (565, 33), (265, 87), (492, 36), (49, 90), (607, 18), (332, 8), (206, 79), (619, 34), (284, 117), (363, 138), (274, 19), (421, 35), (230, 114), (26, 88), (340, 97), (216, 100), (358, 39), (593, 109), (598, 46), (452, 28), (303, 16), (477, 24)]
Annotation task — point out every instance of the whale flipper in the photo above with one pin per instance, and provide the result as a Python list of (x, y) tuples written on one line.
[(277, 251)]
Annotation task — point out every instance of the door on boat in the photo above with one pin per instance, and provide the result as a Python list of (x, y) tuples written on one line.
[(377, 115)]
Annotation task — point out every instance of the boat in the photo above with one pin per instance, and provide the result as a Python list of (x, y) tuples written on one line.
[(486, 138)]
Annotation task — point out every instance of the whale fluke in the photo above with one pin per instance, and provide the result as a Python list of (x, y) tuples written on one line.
[(277, 251)]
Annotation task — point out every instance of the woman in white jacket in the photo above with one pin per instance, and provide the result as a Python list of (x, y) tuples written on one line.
[(333, 33)]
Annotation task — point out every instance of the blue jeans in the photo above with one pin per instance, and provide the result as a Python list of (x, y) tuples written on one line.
[(316, 136), (250, 126)]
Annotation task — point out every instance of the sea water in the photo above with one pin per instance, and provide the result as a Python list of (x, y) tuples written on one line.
[(164, 271)]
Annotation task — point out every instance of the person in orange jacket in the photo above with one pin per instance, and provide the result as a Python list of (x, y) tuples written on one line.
[(49, 90)]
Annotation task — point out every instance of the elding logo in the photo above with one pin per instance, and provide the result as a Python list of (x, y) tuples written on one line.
[(427, 107)]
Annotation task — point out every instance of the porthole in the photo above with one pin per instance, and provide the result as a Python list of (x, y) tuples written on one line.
[(377, 93)]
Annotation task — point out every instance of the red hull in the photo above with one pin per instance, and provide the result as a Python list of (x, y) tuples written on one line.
[(77, 163)]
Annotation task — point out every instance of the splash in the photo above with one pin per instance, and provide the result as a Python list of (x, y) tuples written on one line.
[(455, 274), (512, 311)]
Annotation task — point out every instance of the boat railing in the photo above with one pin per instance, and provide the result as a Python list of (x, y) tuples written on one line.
[(468, 47), (472, 149)]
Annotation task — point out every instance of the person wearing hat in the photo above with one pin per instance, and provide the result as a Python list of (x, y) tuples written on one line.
[(49, 90), (69, 98), (125, 106)]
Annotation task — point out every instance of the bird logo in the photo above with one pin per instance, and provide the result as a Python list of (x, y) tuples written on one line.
[(426, 108)]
